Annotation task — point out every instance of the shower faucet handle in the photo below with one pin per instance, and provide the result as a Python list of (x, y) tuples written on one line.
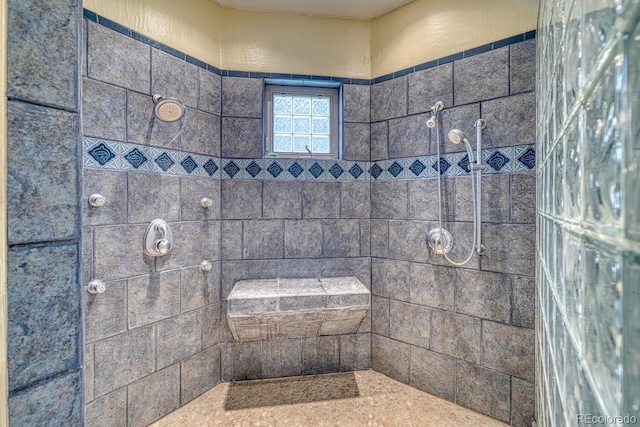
[(206, 202), (158, 239)]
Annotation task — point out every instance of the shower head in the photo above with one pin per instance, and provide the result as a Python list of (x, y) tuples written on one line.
[(457, 136), (168, 109)]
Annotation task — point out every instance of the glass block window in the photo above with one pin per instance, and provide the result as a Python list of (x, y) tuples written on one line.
[(301, 121)]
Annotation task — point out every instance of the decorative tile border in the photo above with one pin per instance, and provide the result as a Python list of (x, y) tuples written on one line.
[(94, 17), (111, 155)]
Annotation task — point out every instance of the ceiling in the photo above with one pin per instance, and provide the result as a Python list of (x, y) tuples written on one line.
[(351, 9)]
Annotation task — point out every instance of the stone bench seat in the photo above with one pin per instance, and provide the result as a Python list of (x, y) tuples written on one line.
[(295, 308)]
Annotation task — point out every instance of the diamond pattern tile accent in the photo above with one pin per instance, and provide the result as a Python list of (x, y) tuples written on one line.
[(464, 164), (356, 171), (444, 166), (274, 169), (231, 169), (110, 155), (395, 169), (253, 169), (210, 167), (316, 170), (336, 170), (497, 161), (417, 167), (528, 158), (376, 171), (189, 164), (136, 158), (102, 154), (295, 170), (164, 161)]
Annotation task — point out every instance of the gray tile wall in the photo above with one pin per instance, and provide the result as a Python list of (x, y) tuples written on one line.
[(161, 325), (461, 333), (464, 334), (44, 293), (153, 338)]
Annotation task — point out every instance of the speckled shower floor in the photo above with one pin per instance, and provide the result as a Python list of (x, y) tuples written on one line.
[(363, 398)]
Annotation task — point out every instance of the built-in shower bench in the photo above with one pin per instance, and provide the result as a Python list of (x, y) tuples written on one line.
[(292, 307)]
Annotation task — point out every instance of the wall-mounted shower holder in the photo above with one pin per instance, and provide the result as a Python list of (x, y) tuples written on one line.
[(206, 202), (158, 239)]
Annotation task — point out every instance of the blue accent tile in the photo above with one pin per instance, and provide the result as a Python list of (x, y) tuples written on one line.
[(210, 167), (171, 51), (196, 62), (497, 161), (477, 50), (102, 154), (259, 75), (114, 26), (426, 65), (344, 80), (528, 158), (362, 82), (326, 78), (403, 72), (450, 58), (280, 76), (301, 76), (444, 166), (395, 169), (232, 73), (274, 169), (189, 164), (375, 171), (213, 69), (316, 170), (91, 16), (464, 164), (144, 39), (135, 158), (231, 169), (356, 171), (253, 169), (417, 167), (530, 35), (508, 41), (336, 170), (295, 170), (164, 161), (383, 78)]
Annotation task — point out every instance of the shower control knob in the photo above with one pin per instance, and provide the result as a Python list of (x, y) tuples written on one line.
[(206, 202), (96, 287), (97, 200), (158, 239), (163, 246), (205, 266)]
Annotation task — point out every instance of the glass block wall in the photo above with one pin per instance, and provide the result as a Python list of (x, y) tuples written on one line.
[(588, 198)]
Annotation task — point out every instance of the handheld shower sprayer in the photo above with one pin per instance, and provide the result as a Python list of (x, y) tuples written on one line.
[(457, 136)]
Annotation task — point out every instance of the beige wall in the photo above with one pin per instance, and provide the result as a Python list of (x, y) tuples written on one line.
[(191, 26), (275, 42), (430, 29), (299, 44)]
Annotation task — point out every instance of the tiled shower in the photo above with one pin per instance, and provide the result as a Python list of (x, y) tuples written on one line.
[(364, 215), (158, 337)]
